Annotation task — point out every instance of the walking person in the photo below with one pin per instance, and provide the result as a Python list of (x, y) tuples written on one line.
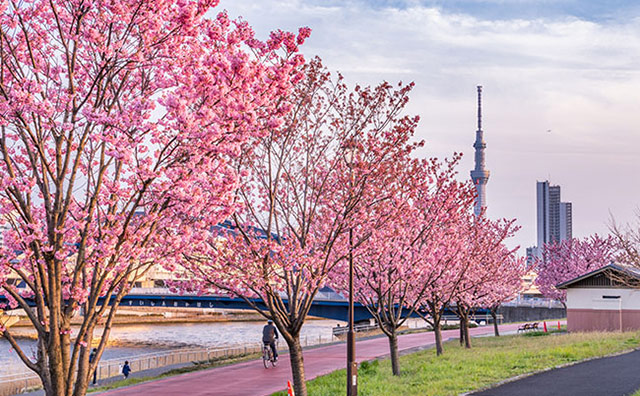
[(92, 357), (126, 369), (269, 337)]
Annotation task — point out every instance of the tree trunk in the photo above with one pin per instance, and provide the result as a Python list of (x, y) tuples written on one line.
[(494, 315), (395, 357), (297, 366), (467, 339), (438, 333), (461, 327)]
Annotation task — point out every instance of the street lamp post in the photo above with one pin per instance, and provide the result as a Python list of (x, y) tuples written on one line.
[(352, 366)]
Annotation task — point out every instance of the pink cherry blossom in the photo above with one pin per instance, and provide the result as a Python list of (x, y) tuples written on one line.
[(569, 259), (121, 126)]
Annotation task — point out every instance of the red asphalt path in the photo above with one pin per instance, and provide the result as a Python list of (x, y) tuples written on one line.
[(252, 379)]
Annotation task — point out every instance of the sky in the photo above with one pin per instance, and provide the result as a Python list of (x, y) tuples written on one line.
[(561, 96)]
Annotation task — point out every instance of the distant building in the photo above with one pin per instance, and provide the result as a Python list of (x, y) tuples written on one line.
[(479, 174), (602, 300), (554, 218), (565, 221), (3, 229), (533, 253)]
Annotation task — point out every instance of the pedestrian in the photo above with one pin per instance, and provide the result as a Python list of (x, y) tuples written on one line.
[(126, 369), (92, 357)]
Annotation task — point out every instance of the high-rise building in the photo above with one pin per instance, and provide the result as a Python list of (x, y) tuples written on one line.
[(479, 174), (565, 221), (553, 216)]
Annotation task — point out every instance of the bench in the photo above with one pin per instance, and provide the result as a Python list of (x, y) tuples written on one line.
[(528, 326)]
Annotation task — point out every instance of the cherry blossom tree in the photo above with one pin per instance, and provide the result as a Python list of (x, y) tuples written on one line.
[(506, 286), (393, 264), (568, 259), (626, 240), (119, 124), (494, 272), (301, 195), (443, 206)]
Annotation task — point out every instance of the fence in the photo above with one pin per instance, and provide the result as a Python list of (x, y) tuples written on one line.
[(11, 384)]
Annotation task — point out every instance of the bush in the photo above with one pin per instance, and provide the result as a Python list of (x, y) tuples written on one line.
[(369, 367)]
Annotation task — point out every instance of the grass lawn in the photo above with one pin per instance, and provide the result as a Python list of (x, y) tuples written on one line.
[(489, 361)]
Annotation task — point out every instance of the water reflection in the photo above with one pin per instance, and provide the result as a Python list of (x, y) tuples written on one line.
[(131, 340)]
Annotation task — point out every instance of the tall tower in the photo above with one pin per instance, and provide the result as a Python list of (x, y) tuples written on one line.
[(479, 174)]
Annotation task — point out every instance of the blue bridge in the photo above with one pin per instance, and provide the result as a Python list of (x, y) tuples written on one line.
[(328, 304)]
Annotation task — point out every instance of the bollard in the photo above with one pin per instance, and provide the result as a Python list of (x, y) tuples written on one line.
[(558, 325), (290, 391), (545, 327)]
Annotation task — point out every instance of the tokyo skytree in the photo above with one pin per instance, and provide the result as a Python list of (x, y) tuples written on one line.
[(479, 174)]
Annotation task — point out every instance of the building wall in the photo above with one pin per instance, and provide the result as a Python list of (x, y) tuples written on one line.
[(598, 309)]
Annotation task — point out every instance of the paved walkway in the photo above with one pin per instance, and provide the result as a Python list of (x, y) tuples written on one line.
[(252, 379), (610, 376)]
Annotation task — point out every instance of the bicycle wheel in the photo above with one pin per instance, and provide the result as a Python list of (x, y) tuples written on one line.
[(266, 357)]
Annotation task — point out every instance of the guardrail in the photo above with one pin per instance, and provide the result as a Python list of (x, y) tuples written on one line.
[(534, 302), (11, 384)]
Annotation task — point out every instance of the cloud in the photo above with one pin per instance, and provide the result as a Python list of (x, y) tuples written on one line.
[(572, 67)]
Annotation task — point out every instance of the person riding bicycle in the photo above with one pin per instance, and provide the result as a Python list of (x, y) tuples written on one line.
[(269, 337)]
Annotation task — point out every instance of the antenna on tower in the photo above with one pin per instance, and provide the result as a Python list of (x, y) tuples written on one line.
[(479, 107)]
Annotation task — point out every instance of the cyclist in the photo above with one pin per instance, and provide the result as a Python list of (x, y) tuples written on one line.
[(269, 337)]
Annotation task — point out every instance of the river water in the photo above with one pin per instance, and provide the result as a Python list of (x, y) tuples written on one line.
[(148, 338)]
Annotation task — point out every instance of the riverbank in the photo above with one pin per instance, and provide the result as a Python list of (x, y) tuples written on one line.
[(251, 379), (128, 316), (491, 360)]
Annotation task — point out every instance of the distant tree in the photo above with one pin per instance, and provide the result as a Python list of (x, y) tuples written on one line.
[(442, 250), (494, 274), (118, 124), (391, 264), (308, 182), (504, 287), (627, 241), (568, 259)]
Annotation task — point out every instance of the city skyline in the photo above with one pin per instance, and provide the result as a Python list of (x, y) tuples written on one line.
[(558, 76), (553, 217)]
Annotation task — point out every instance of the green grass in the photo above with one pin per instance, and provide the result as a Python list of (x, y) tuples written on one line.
[(489, 361)]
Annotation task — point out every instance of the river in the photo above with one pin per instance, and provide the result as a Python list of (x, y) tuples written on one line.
[(148, 338)]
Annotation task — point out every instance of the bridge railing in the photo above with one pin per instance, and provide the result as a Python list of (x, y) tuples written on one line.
[(164, 291), (14, 383)]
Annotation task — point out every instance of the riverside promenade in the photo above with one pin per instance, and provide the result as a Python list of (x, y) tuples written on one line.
[(252, 379)]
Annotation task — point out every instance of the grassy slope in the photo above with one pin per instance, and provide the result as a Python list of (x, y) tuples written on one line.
[(491, 360)]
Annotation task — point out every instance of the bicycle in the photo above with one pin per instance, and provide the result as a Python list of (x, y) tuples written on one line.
[(267, 356)]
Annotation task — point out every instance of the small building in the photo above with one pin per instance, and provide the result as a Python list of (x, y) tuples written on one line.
[(607, 299)]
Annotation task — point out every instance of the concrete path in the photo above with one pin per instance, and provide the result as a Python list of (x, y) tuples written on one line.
[(610, 376), (252, 379)]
